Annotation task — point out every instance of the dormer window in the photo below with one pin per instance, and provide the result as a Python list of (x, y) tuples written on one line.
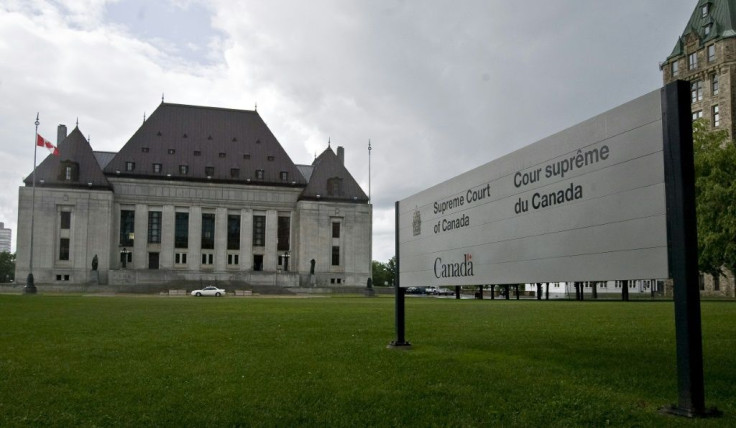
[(234, 172), (144, 149), (284, 176), (209, 171), (157, 168), (172, 151), (334, 186), (270, 158), (259, 174), (69, 171), (246, 156), (707, 28), (130, 166), (705, 10), (222, 155), (183, 169), (197, 153)]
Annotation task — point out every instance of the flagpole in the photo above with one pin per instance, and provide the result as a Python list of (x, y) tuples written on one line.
[(30, 287), (369, 169)]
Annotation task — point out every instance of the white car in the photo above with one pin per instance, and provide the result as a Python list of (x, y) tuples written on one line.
[(210, 290)]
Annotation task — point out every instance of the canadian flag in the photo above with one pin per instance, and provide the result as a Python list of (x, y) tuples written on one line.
[(42, 142)]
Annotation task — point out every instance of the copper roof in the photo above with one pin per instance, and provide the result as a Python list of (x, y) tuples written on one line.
[(331, 181), (205, 143), (75, 152)]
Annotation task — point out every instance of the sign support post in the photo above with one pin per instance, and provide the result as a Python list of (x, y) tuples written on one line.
[(400, 341), (683, 251)]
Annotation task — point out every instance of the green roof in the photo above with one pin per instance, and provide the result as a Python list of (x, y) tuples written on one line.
[(720, 17)]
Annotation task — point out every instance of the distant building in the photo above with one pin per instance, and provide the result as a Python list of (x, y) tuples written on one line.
[(196, 194), (705, 55), (6, 235)]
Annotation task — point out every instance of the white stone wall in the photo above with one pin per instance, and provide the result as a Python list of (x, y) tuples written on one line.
[(95, 229), (89, 234), (315, 241)]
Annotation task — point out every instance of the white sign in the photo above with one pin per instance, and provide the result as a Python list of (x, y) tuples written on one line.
[(586, 204)]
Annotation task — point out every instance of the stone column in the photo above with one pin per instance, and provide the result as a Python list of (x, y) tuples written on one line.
[(140, 239), (194, 261), (220, 239), (246, 239), (269, 256), (166, 257)]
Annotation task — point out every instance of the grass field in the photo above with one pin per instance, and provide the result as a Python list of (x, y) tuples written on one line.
[(181, 361)]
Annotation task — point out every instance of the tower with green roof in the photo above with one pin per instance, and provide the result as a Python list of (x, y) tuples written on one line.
[(705, 55)]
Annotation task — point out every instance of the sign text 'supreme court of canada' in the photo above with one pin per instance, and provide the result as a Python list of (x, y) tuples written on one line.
[(585, 204)]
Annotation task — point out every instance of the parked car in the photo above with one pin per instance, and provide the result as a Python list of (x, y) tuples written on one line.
[(210, 290), (444, 292)]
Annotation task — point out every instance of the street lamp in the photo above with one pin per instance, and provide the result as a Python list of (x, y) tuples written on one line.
[(124, 257), (286, 261)]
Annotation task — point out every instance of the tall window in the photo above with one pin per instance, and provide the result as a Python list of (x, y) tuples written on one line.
[(692, 61), (208, 231), (64, 249), (233, 232), (65, 220), (283, 233), (127, 227), (181, 231), (154, 227), (675, 68), (259, 230), (336, 229), (716, 116), (696, 91), (335, 255), (715, 88), (711, 52)]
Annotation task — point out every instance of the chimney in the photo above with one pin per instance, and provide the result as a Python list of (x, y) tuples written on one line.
[(60, 134), (341, 154)]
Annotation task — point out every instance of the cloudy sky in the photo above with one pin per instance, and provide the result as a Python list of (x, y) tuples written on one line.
[(437, 86)]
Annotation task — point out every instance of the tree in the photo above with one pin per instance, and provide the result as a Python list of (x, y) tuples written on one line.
[(715, 194), (7, 266), (383, 273)]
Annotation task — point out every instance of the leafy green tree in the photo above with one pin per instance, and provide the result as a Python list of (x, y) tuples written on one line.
[(715, 190), (7, 266), (383, 273)]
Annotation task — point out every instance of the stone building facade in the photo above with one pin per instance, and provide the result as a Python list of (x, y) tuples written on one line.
[(705, 55), (6, 236), (197, 194)]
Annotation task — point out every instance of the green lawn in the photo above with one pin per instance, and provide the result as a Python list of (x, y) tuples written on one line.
[(184, 361)]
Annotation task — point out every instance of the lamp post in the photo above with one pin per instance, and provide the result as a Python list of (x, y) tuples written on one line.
[(286, 261), (124, 257)]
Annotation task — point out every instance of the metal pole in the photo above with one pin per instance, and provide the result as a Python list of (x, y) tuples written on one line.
[(400, 341), (30, 287), (683, 244), (369, 170)]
